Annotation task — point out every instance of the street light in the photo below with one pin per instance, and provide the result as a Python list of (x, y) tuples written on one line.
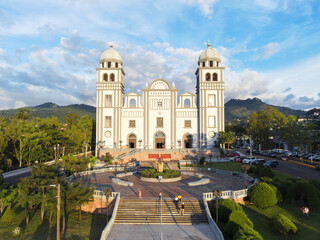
[(217, 194), (58, 209)]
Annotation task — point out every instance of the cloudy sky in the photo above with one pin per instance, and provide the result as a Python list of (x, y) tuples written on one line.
[(49, 49)]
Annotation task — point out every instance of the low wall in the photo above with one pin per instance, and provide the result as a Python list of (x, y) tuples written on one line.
[(145, 179), (122, 182), (119, 175), (109, 225), (199, 182), (214, 227)]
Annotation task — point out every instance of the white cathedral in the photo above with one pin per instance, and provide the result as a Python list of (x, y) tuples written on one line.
[(160, 119)]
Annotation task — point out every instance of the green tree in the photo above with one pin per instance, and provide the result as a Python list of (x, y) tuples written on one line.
[(265, 125), (7, 196), (222, 137)]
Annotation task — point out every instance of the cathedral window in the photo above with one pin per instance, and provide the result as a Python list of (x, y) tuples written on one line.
[(108, 122), (109, 64), (211, 100), (105, 77), (203, 64), (212, 122), (187, 123), (133, 103), (159, 104), (132, 123), (187, 103), (112, 77), (102, 65), (214, 77), (211, 63), (208, 77), (116, 65), (160, 122), (217, 64), (108, 102)]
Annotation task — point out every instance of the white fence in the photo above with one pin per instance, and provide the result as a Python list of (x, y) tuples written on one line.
[(110, 223), (214, 227), (99, 194)]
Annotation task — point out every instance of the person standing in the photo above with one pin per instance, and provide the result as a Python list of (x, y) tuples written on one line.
[(160, 196), (306, 212), (182, 208), (140, 193), (179, 198)]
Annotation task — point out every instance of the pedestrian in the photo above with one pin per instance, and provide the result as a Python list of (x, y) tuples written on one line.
[(306, 212), (182, 209), (179, 198), (176, 202), (140, 193), (160, 196)]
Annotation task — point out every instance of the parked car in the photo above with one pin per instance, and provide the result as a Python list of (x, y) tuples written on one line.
[(271, 163), (282, 157), (251, 160)]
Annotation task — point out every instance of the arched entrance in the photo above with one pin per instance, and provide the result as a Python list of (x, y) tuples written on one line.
[(159, 140), (187, 141), (132, 141)]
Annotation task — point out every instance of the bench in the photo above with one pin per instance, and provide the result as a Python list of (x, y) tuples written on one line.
[(192, 174), (119, 175)]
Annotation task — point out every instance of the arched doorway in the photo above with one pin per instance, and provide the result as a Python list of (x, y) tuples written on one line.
[(159, 140), (187, 141), (132, 141)]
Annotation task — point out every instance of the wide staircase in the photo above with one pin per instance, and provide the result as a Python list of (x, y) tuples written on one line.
[(137, 211)]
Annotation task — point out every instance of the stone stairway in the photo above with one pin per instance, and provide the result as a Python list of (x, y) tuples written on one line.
[(137, 211)]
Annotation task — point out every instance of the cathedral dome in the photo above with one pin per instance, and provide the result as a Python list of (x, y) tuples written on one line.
[(209, 54), (111, 55)]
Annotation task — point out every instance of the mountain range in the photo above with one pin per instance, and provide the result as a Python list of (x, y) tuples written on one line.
[(234, 109)]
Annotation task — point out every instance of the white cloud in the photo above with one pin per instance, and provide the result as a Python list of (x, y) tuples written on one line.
[(19, 104), (270, 49), (267, 4), (205, 6)]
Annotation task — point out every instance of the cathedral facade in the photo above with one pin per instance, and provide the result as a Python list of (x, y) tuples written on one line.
[(160, 119)]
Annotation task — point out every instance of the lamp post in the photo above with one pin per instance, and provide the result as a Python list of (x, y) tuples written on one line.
[(58, 209), (120, 144), (179, 143), (217, 194), (245, 168), (140, 141), (100, 145)]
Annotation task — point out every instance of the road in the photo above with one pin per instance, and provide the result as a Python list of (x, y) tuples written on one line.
[(295, 169)]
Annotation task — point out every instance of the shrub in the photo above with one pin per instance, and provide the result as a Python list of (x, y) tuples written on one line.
[(237, 220), (266, 179), (201, 162), (262, 195), (226, 206), (247, 234), (167, 173), (262, 171), (303, 191), (283, 224), (277, 192), (316, 184)]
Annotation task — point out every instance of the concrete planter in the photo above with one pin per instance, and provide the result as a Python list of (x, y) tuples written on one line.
[(145, 179)]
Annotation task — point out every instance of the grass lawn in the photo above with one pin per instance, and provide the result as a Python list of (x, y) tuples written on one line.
[(307, 228), (231, 166), (90, 227)]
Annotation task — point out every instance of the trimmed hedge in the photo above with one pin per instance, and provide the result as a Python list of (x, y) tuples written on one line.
[(303, 191), (247, 234), (167, 173), (282, 224), (262, 195), (237, 220), (226, 206)]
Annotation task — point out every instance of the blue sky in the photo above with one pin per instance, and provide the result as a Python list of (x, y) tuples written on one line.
[(49, 49)]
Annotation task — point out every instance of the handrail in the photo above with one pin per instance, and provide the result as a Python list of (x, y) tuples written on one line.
[(110, 223)]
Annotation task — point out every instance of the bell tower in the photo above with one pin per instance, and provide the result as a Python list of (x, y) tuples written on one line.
[(110, 93), (210, 97)]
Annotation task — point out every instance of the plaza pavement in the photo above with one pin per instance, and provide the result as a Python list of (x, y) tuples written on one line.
[(149, 190), (153, 232)]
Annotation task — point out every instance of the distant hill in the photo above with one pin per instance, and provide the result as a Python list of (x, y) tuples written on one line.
[(242, 109), (234, 109), (51, 109)]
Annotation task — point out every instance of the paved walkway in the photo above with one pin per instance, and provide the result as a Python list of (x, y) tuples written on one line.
[(169, 190), (174, 232)]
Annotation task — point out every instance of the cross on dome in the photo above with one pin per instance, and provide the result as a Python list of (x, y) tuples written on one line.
[(209, 44), (111, 44)]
